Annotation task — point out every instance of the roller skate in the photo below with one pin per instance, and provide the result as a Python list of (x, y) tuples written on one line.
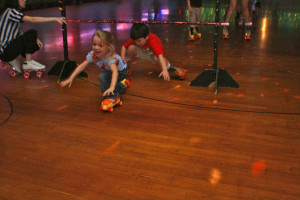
[(125, 82), (177, 72), (225, 32), (109, 104), (191, 35), (15, 68), (247, 31), (197, 33), (33, 66)]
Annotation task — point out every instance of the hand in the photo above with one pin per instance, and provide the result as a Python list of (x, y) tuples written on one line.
[(165, 75), (61, 20), (109, 91), (66, 82), (39, 43)]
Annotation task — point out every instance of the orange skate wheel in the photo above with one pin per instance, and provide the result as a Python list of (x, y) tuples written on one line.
[(12, 73), (3, 66), (26, 74), (39, 74)]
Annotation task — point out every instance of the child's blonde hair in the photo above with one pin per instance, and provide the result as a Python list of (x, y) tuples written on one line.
[(108, 39)]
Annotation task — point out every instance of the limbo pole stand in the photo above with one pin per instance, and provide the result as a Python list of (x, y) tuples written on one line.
[(215, 76)]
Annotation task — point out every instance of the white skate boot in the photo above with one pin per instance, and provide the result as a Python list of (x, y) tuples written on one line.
[(32, 65)]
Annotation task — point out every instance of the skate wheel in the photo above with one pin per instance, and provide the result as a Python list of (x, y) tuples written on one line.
[(110, 109), (120, 103), (39, 74), (127, 83), (12, 73), (26, 75), (3, 66)]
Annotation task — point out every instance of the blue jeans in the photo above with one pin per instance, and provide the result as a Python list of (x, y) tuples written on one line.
[(105, 80)]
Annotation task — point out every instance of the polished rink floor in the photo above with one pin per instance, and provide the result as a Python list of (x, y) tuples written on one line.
[(168, 140)]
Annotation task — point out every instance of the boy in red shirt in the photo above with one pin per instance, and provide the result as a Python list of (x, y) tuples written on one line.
[(147, 46)]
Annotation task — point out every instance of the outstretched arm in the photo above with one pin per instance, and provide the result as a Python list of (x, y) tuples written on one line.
[(114, 78), (123, 54), (162, 61), (77, 71), (30, 19)]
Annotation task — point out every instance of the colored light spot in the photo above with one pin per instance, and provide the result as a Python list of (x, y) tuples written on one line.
[(110, 149), (215, 176), (149, 73), (276, 83), (297, 97), (135, 62), (286, 90), (177, 86), (262, 95), (190, 51), (174, 99), (258, 167), (237, 73), (215, 101), (194, 140), (265, 78), (44, 86), (240, 95), (62, 107), (191, 56)]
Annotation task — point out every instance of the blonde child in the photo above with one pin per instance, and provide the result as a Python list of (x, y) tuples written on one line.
[(113, 76)]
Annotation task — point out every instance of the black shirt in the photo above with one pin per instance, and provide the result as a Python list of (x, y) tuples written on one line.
[(196, 3)]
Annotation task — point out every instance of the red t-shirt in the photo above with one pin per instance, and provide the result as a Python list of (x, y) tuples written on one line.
[(153, 45)]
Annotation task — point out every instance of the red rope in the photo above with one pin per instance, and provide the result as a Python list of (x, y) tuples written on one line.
[(145, 22)]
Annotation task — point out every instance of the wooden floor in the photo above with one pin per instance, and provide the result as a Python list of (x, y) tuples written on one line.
[(168, 140)]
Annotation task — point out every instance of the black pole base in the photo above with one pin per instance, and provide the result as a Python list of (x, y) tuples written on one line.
[(208, 76), (63, 69)]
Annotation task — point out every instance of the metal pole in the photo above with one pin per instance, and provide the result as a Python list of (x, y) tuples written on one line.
[(64, 29)]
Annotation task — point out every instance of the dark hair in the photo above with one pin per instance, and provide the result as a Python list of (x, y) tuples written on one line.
[(11, 4), (139, 30)]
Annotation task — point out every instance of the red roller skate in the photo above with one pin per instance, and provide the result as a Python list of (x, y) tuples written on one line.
[(247, 31), (109, 104), (125, 82), (225, 32), (177, 72)]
